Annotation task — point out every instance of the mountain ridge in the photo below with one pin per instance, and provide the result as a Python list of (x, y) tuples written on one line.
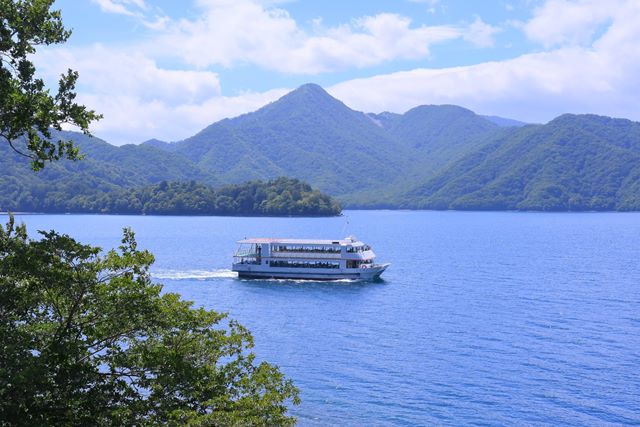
[(571, 163), (434, 157)]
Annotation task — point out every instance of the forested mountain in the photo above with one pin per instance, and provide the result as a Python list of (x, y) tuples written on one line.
[(575, 162), (306, 134), (156, 143), (105, 168), (436, 134), (437, 157)]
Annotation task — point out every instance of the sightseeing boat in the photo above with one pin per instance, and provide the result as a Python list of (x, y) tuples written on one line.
[(347, 258)]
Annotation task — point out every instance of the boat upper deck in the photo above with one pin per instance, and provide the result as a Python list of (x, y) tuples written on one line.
[(341, 242)]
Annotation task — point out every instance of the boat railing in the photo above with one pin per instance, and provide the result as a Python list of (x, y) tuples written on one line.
[(310, 255), (306, 250)]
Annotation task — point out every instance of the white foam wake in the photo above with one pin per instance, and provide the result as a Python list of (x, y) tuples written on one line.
[(221, 273)]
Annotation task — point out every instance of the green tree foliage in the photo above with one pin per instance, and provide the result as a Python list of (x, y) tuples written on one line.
[(279, 197), (27, 109), (88, 339)]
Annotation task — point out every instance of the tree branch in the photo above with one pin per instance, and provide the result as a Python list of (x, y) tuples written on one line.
[(20, 152)]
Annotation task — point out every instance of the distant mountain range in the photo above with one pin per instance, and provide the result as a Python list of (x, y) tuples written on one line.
[(431, 157)]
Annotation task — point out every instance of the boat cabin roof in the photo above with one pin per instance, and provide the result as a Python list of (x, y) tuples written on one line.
[(258, 240)]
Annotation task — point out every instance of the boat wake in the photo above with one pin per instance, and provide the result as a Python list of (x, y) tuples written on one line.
[(221, 273)]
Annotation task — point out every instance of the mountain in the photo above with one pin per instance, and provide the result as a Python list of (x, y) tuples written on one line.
[(437, 134), (385, 120), (312, 136), (435, 157), (575, 162), (306, 134), (156, 143), (105, 168), (504, 122)]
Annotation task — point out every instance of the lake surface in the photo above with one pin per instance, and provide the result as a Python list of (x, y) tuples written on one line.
[(482, 318)]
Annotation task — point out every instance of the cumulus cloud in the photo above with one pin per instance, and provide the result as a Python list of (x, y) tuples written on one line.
[(245, 31), (121, 7), (480, 33), (110, 70), (559, 22), (598, 77), (139, 99)]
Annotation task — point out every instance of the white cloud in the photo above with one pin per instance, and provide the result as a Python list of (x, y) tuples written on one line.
[(559, 22), (121, 7), (480, 33), (112, 71), (244, 31), (139, 99), (600, 77)]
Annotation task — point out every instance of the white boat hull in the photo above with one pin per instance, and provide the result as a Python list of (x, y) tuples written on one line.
[(248, 271)]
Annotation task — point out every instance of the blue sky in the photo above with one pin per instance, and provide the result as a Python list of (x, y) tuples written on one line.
[(166, 68)]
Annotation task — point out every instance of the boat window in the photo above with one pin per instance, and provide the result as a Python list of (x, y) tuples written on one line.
[(354, 249), (305, 264), (306, 248), (359, 263)]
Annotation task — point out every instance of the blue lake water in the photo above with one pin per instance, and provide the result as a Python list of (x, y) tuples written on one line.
[(482, 318)]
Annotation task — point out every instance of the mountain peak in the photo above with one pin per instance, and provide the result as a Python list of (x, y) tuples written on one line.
[(311, 88), (444, 109), (154, 141), (309, 100), (310, 92)]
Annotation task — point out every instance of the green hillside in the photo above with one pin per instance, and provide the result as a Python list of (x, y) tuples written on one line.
[(434, 136), (105, 168), (435, 157), (575, 162), (437, 134), (306, 134)]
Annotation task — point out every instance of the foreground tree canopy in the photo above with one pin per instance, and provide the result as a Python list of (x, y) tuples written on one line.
[(28, 110), (88, 339)]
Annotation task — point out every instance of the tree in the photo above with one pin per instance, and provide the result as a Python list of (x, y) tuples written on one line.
[(88, 339), (28, 111)]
